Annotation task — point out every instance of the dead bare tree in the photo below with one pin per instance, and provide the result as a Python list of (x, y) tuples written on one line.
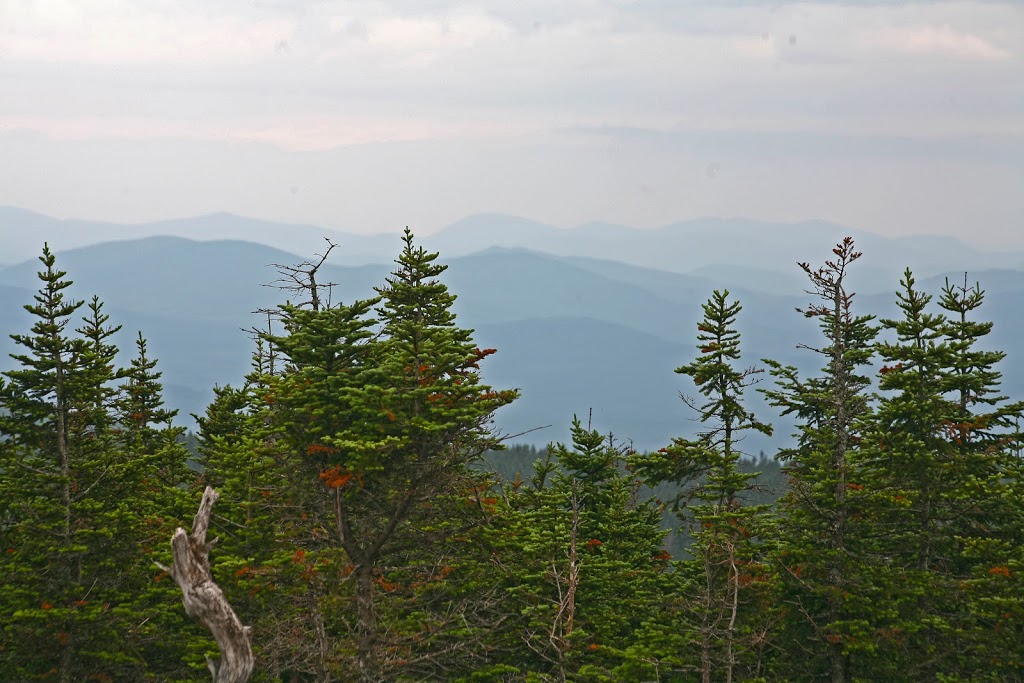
[(204, 600), (301, 279)]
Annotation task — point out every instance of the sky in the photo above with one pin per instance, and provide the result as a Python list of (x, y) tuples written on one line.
[(894, 117)]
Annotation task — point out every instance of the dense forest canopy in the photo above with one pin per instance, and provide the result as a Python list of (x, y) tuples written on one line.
[(373, 526)]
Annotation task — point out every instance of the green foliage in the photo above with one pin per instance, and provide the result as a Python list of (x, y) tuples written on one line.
[(352, 462), (944, 481), (722, 623), (827, 588), (364, 535), (87, 495), (583, 561)]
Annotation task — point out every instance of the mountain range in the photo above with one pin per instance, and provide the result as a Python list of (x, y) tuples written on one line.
[(593, 318)]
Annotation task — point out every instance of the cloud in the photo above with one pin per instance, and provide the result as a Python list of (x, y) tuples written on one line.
[(929, 40), (114, 32), (314, 74), (302, 134)]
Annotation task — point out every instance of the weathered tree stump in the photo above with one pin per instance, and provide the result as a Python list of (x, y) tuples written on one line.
[(204, 600)]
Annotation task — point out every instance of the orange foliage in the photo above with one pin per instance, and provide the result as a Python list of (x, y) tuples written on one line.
[(336, 477), (478, 355), (386, 585), (320, 449)]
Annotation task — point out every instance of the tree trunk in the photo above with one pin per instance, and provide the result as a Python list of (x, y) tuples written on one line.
[(322, 675), (366, 615), (841, 373), (204, 600)]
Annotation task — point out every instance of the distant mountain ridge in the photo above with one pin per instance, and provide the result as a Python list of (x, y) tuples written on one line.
[(682, 247), (574, 333)]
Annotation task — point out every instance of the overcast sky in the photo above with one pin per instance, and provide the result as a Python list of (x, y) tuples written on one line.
[(896, 117)]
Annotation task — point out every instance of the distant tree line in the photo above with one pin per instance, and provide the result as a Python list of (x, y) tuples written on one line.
[(370, 530)]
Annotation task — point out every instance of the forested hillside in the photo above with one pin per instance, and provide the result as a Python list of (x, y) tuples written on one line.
[(364, 534)]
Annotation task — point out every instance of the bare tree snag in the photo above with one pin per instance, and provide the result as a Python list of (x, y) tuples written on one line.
[(204, 600)]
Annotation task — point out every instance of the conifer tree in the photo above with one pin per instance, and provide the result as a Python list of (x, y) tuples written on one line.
[(584, 559), (372, 429), (75, 501), (725, 617), (278, 563), (38, 404), (427, 418), (989, 506), (906, 484), (157, 487), (825, 588), (944, 452)]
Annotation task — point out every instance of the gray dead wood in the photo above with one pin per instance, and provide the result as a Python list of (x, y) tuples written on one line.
[(204, 600)]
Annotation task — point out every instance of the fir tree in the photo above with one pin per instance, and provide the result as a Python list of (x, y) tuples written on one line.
[(943, 480), (584, 560), (75, 501), (371, 430), (727, 571), (824, 585)]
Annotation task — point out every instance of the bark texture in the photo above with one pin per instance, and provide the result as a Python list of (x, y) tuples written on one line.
[(204, 600)]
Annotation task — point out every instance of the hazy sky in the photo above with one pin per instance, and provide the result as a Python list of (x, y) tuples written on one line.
[(897, 117)]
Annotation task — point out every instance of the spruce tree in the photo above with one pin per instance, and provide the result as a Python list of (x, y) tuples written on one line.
[(826, 590), (369, 430), (584, 561), (41, 560), (725, 615), (945, 440), (943, 483), (75, 508), (427, 419), (158, 488), (989, 506), (278, 563), (906, 487)]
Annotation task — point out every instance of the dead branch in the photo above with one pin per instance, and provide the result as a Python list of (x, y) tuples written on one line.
[(204, 600)]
